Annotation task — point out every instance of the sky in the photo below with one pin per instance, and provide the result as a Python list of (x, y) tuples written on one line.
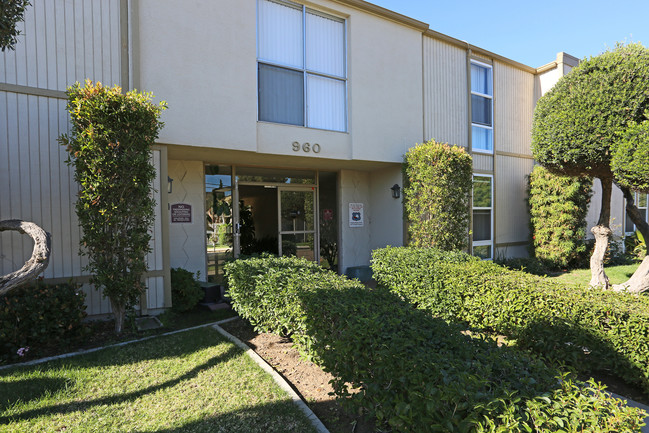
[(533, 32)]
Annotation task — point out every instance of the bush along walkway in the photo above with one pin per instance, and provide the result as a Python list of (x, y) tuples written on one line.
[(189, 381), (409, 370), (590, 330)]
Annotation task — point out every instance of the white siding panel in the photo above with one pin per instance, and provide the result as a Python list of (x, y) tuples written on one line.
[(155, 292), (65, 41), (445, 93)]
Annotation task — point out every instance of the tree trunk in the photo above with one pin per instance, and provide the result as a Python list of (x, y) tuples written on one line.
[(40, 255), (639, 281), (602, 234), (119, 311)]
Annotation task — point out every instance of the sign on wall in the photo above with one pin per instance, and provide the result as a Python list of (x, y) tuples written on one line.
[(356, 216), (181, 213)]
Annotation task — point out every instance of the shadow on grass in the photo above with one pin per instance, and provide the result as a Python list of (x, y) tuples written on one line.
[(279, 417), (29, 389)]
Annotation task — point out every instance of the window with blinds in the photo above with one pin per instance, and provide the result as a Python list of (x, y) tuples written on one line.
[(302, 73), (481, 107)]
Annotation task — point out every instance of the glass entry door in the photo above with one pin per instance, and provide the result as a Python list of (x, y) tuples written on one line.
[(297, 223)]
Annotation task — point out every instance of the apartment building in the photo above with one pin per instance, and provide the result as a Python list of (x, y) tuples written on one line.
[(286, 128)]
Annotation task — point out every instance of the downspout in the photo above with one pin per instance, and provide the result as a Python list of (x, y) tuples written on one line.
[(469, 137)]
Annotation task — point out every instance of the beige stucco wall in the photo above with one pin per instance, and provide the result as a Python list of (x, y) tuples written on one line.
[(386, 226), (206, 70), (354, 187), (187, 242), (203, 65)]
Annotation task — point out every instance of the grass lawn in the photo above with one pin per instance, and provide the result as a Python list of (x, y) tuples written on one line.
[(581, 277), (193, 381)]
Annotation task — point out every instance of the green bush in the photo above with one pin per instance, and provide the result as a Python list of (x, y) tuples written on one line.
[(185, 290), (589, 329), (438, 180), (408, 370), (558, 207), (109, 146), (39, 316)]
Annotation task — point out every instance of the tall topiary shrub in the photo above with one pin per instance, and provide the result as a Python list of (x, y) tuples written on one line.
[(438, 181), (109, 147), (558, 207)]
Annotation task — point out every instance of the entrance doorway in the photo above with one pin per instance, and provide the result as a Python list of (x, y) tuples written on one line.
[(263, 210)]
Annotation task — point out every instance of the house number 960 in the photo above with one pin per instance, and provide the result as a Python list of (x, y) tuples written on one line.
[(306, 147)]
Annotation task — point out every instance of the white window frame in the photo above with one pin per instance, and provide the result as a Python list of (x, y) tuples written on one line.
[(636, 198), (491, 99), (489, 242), (304, 70)]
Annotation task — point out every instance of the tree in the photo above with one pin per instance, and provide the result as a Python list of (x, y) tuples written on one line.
[(11, 12), (591, 124), (110, 148), (438, 180)]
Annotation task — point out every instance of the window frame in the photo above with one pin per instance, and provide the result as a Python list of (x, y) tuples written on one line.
[(491, 100), (489, 242), (636, 198), (306, 72)]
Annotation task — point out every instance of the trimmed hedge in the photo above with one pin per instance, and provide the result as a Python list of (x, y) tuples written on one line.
[(558, 208), (589, 329), (39, 315), (437, 186), (409, 370)]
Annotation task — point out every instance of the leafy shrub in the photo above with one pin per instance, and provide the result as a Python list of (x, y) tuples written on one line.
[(185, 290), (531, 265), (109, 146), (39, 315), (588, 329), (408, 370), (558, 208), (438, 180)]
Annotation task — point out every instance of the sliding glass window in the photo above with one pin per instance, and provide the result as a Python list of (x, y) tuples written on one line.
[(302, 73)]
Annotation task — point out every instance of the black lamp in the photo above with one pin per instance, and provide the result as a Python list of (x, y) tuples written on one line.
[(396, 191)]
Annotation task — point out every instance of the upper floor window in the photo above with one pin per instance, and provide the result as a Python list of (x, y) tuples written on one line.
[(482, 132), (302, 73)]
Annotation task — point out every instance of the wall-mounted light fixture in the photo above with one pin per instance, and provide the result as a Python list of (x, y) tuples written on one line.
[(170, 184), (396, 191)]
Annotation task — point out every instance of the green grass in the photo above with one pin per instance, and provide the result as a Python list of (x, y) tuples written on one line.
[(581, 277), (193, 381)]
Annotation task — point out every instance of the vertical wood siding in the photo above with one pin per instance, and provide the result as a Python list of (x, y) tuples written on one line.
[(37, 185), (61, 42), (483, 163), (512, 217), (513, 109), (445, 93), (65, 41)]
